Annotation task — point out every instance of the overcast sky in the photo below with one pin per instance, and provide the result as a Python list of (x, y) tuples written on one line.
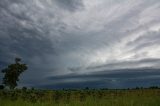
[(79, 43)]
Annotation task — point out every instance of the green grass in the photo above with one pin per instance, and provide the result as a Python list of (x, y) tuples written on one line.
[(148, 97)]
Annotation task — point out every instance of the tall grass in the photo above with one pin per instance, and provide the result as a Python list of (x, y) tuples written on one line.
[(146, 97)]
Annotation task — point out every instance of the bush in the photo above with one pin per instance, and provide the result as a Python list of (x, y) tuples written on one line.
[(1, 87)]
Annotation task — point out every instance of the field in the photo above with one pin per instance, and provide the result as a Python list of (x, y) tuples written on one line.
[(134, 97)]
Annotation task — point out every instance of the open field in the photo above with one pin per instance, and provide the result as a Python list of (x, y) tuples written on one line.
[(141, 97)]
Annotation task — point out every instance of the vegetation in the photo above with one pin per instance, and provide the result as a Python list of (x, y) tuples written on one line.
[(1, 87), (87, 97), (29, 97), (12, 72)]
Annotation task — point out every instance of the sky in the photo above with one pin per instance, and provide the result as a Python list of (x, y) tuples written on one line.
[(82, 43)]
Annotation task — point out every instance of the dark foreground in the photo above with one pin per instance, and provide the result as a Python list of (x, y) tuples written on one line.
[(139, 97)]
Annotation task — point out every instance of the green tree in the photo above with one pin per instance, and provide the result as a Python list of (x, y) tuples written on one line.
[(12, 73)]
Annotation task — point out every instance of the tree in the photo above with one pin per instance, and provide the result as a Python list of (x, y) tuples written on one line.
[(12, 73), (1, 87)]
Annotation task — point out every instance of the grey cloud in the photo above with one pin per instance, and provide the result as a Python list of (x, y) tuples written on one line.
[(71, 5), (115, 79), (54, 41), (150, 39), (18, 40), (127, 64), (119, 74)]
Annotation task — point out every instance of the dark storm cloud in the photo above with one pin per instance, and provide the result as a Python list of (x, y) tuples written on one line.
[(119, 74), (71, 37), (71, 5), (104, 84), (115, 79), (25, 41)]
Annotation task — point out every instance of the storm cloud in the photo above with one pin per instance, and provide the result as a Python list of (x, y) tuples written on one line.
[(59, 38)]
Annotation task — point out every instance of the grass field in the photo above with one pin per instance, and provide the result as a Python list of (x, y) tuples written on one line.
[(140, 97)]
